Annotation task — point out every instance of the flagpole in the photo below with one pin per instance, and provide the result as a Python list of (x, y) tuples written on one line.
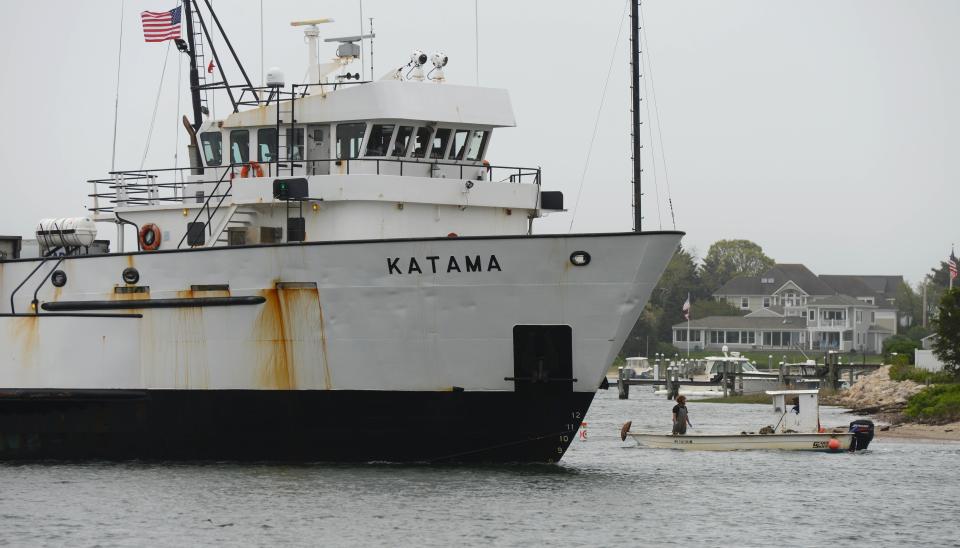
[(688, 324)]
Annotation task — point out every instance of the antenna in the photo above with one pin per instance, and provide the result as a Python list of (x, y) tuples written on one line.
[(311, 33)]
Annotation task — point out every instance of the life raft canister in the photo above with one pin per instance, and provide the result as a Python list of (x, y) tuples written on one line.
[(149, 237), (251, 167)]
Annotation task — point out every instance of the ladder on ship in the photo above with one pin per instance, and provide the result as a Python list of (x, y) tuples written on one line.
[(200, 58)]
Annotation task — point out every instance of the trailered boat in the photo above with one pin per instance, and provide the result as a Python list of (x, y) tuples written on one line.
[(340, 275), (797, 429)]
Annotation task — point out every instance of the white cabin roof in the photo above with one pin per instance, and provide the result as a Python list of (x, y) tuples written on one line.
[(391, 99)]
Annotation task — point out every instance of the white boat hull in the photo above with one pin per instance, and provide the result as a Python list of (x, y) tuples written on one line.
[(740, 442)]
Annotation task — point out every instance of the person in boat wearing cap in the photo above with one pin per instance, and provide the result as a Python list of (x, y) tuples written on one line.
[(680, 417)]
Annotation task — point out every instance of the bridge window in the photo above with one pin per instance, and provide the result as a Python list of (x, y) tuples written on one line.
[(267, 145), (422, 142), (459, 144), (349, 137), (402, 143), (212, 143), (379, 142), (440, 139), (477, 144), (240, 146), (295, 144)]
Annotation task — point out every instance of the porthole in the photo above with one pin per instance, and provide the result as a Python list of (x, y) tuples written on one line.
[(58, 278), (130, 275)]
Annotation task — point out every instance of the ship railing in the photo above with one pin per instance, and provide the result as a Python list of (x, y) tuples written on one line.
[(151, 187)]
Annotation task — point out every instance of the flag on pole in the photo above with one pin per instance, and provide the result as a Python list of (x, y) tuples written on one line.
[(686, 308), (159, 26), (210, 67), (952, 265)]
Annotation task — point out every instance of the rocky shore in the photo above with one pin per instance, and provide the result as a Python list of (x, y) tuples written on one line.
[(885, 399)]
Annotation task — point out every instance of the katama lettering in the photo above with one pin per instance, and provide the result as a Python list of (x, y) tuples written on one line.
[(472, 263)]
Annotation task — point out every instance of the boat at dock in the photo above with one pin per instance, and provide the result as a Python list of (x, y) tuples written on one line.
[(340, 274), (797, 429)]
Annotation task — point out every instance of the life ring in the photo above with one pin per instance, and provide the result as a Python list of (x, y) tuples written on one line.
[(149, 237), (252, 166)]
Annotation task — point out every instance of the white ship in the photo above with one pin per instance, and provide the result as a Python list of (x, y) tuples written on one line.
[(339, 276)]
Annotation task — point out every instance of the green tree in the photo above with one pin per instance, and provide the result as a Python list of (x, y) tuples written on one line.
[(900, 345), (727, 259), (909, 306), (937, 281), (947, 325)]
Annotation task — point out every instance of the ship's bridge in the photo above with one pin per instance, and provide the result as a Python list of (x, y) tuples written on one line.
[(407, 127), (387, 159)]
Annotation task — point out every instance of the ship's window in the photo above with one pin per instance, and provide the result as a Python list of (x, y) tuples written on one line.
[(295, 144), (403, 140), (267, 145), (439, 145), (240, 146), (212, 143), (459, 144), (422, 142), (349, 137), (379, 141), (477, 144)]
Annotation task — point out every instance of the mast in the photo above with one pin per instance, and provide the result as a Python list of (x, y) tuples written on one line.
[(635, 107), (194, 74)]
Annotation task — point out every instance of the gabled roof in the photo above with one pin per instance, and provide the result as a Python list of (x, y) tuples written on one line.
[(850, 285), (769, 312), (838, 300), (780, 274), (745, 322)]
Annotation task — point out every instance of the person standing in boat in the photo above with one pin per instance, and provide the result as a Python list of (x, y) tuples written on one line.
[(680, 417)]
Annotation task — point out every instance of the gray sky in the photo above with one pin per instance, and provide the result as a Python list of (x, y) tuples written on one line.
[(824, 131)]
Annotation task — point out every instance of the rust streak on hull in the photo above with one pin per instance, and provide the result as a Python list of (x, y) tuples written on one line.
[(276, 371)]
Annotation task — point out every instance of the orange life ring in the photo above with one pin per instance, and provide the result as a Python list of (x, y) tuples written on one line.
[(149, 237), (252, 166)]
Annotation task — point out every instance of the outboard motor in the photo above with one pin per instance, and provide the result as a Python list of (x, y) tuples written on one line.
[(862, 431)]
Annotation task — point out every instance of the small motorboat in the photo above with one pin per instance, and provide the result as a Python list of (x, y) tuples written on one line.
[(797, 429)]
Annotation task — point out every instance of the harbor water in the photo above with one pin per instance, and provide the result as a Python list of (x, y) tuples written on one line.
[(604, 493)]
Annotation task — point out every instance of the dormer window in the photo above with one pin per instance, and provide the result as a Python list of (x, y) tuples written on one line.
[(379, 141), (440, 139)]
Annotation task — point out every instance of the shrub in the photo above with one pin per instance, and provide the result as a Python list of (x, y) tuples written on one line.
[(935, 404), (907, 372), (900, 345)]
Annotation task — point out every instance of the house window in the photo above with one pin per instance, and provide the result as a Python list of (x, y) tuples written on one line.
[(379, 141), (748, 337), (859, 316), (766, 302), (733, 337), (240, 146), (267, 144), (212, 147), (786, 338), (873, 317), (349, 137), (680, 335), (744, 302), (813, 315), (716, 337), (695, 335)]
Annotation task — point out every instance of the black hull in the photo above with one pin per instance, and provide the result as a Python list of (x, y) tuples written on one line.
[(291, 426)]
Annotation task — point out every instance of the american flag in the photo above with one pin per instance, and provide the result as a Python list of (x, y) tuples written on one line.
[(686, 308), (161, 25), (952, 265)]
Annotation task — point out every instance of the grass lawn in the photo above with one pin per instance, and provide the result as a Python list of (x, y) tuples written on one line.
[(746, 398)]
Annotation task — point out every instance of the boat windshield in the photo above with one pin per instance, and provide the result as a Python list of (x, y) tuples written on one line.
[(718, 365)]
